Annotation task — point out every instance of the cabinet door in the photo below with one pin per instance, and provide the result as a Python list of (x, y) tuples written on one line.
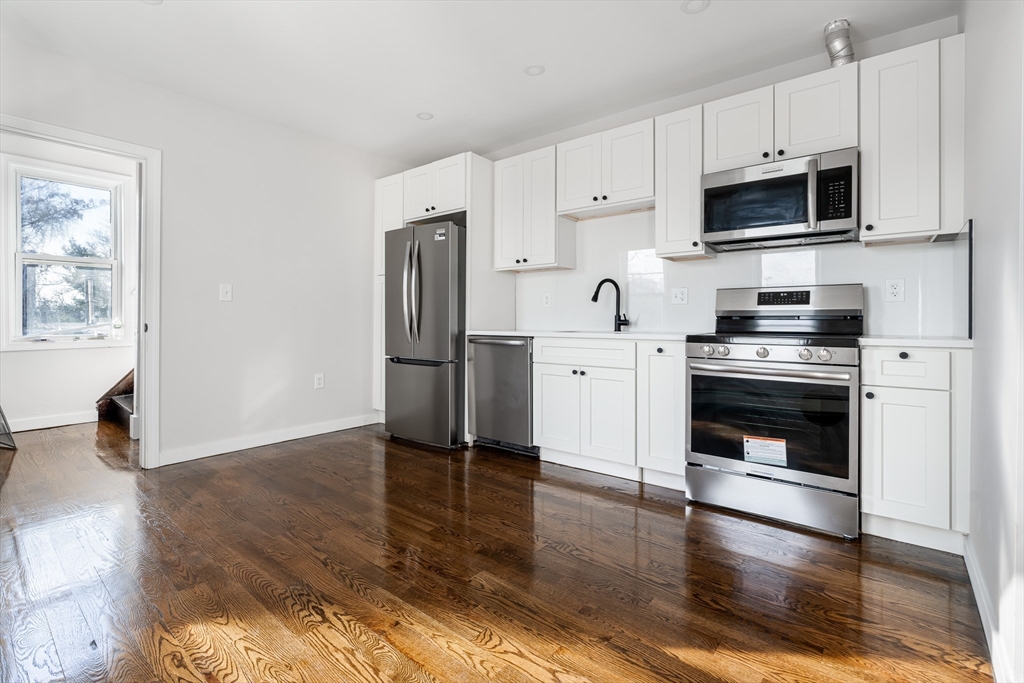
[(556, 407), (449, 184), (418, 191), (905, 439), (661, 406), (539, 236), (388, 214), (677, 160), (378, 343), (627, 162), (739, 130), (816, 113), (508, 213), (579, 173), (608, 414), (899, 142)]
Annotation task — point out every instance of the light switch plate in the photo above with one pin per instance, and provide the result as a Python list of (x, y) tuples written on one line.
[(318, 380), (680, 296), (225, 293), (894, 290)]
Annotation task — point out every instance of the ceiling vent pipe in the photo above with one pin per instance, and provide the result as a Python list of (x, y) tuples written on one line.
[(838, 43)]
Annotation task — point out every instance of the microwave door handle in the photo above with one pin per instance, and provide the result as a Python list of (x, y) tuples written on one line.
[(812, 194)]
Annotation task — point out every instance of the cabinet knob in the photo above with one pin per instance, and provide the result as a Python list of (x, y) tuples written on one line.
[(517, 260), (525, 260), (904, 355), (433, 209), (661, 350), (427, 209), (869, 395), (595, 199), (696, 244), (604, 197), (781, 152), (575, 372), (582, 372), (766, 155), (869, 227)]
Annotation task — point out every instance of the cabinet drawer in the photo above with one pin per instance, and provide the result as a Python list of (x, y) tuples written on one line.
[(920, 369), (598, 353)]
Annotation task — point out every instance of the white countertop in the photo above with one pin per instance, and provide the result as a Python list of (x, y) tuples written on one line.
[(624, 336), (919, 342)]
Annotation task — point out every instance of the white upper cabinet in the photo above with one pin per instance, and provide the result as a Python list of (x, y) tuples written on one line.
[(528, 233), (436, 188), (661, 406), (579, 173), (627, 170), (601, 172), (899, 119), (387, 215), (816, 113), (739, 130), (677, 165)]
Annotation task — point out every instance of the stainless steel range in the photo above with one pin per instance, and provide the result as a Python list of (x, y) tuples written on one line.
[(772, 399)]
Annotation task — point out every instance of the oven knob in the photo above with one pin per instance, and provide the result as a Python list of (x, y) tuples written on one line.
[(723, 350), (824, 354), (805, 354), (762, 352), (708, 350)]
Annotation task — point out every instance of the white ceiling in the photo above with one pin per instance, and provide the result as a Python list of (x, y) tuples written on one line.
[(359, 72)]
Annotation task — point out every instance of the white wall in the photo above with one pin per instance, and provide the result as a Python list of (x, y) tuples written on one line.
[(285, 217), (622, 247), (995, 548)]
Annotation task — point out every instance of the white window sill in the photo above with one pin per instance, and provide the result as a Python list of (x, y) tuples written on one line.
[(65, 345)]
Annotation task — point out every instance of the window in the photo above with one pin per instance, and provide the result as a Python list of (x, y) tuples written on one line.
[(66, 244)]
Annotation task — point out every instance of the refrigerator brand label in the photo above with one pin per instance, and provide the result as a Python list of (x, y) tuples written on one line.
[(439, 234), (765, 451)]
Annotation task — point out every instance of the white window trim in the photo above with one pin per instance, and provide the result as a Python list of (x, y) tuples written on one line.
[(150, 167), (12, 168)]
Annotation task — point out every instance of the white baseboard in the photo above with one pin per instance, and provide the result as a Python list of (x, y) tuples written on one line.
[(585, 462), (27, 424), (239, 443), (916, 534), (676, 482), (1000, 650)]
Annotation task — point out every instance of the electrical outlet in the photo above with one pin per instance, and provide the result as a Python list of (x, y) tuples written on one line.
[(546, 300), (680, 296), (318, 380), (894, 290), (225, 293)]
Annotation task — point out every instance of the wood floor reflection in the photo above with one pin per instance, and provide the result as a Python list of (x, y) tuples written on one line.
[(348, 557)]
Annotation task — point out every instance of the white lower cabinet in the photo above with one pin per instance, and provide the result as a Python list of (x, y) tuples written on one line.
[(585, 410), (661, 406), (906, 448)]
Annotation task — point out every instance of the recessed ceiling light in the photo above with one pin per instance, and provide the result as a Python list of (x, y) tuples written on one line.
[(152, 2), (694, 6), (424, 116), (534, 70)]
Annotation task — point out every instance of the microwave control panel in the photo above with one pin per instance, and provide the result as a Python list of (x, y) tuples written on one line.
[(835, 193)]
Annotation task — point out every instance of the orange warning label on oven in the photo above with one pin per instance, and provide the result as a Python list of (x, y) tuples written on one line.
[(764, 450)]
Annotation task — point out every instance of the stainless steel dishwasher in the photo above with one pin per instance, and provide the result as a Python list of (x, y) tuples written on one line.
[(501, 392)]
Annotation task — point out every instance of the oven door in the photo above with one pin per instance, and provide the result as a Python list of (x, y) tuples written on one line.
[(775, 420)]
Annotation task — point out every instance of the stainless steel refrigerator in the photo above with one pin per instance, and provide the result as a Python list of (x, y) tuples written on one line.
[(425, 332)]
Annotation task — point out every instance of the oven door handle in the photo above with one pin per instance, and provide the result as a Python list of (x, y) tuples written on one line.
[(771, 372)]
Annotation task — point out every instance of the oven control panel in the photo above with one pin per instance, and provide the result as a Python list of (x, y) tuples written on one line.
[(796, 297), (772, 353)]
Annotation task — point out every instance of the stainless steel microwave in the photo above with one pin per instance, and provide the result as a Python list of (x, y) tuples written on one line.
[(807, 200)]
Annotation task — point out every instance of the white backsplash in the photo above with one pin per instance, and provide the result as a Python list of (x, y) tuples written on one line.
[(622, 247)]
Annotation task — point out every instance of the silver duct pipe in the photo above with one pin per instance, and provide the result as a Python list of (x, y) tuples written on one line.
[(838, 43)]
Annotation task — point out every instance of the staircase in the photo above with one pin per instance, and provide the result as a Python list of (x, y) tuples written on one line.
[(118, 403)]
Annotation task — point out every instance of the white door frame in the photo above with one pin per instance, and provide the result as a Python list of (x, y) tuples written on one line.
[(147, 371)]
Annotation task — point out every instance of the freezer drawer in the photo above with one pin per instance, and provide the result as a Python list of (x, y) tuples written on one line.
[(501, 389), (424, 401)]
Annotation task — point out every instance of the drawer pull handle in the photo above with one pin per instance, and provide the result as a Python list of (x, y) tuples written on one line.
[(869, 395), (904, 355)]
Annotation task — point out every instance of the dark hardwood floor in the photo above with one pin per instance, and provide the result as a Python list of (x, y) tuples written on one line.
[(348, 557)]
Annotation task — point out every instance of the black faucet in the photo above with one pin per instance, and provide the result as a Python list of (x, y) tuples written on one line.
[(620, 319)]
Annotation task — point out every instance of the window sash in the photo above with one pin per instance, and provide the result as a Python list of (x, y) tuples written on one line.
[(116, 325)]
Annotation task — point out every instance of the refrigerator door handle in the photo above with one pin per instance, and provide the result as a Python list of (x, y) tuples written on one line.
[(405, 290), (416, 292)]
